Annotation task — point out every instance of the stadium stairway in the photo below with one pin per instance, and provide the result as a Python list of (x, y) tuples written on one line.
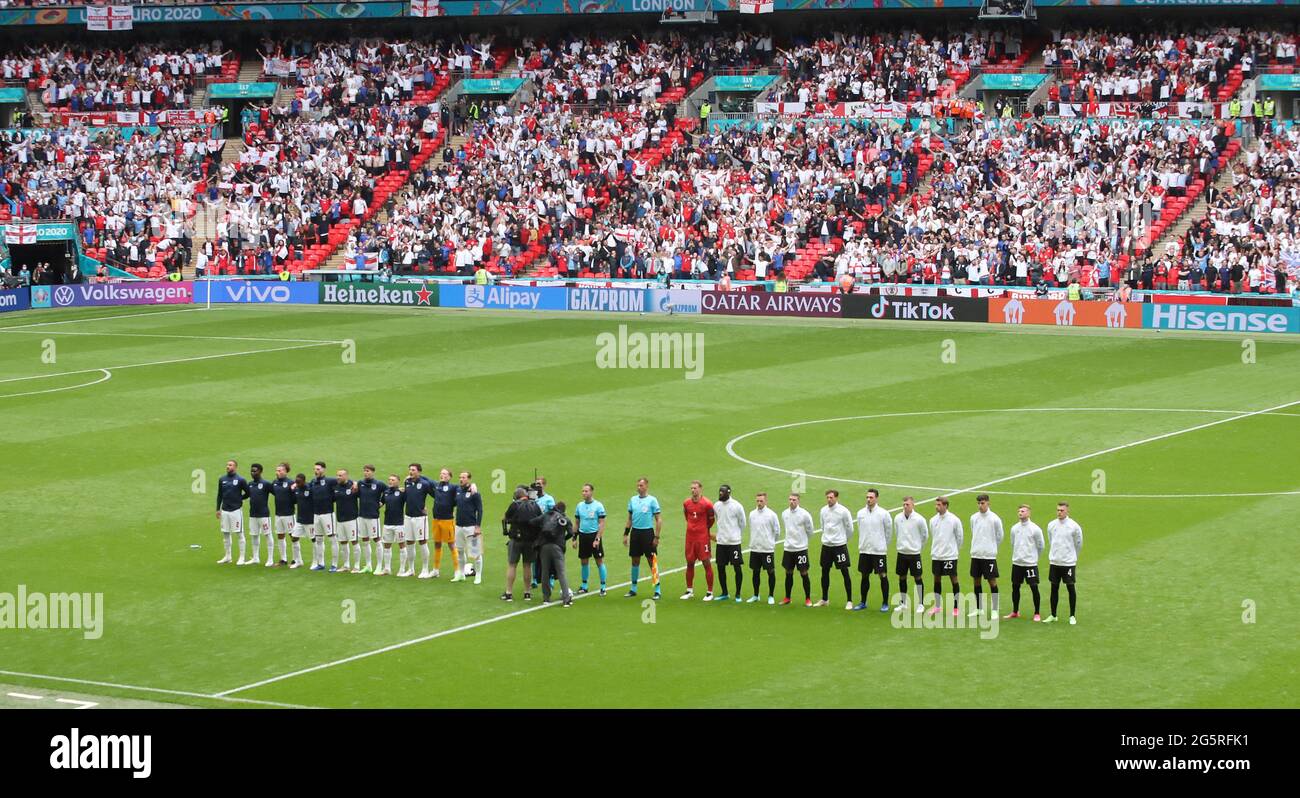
[(250, 71), (1178, 210), (1197, 210)]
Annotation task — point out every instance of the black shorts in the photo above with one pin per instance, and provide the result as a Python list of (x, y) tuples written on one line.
[(1061, 573), (908, 564), (727, 554), (872, 564), (1024, 573), (943, 567), (520, 550), (983, 569), (837, 556), (791, 560), (641, 543), (588, 547), (761, 560)]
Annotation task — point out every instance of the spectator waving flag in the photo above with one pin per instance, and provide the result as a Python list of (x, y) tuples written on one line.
[(756, 7), (424, 8), (20, 234), (109, 18)]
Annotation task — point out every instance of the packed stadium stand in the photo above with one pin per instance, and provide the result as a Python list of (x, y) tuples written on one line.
[(873, 148)]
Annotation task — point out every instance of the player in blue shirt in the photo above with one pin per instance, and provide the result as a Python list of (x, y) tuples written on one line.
[(469, 529), (642, 534), (259, 515), (590, 517), (322, 502), (232, 489), (394, 501), (282, 489), (370, 492), (418, 488)]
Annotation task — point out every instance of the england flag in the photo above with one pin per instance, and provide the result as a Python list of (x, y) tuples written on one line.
[(20, 234), (424, 8), (109, 18), (756, 7)]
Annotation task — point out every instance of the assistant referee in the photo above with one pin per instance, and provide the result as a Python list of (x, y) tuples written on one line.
[(642, 534)]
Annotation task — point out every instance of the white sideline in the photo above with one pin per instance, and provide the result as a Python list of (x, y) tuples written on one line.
[(167, 362), (100, 318), (179, 337), (516, 613), (158, 690)]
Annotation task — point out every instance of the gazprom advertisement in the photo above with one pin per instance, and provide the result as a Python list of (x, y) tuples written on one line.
[(626, 300), (504, 297), (255, 292), (1221, 319)]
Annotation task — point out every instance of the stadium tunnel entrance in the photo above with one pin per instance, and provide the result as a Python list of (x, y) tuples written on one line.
[(59, 258)]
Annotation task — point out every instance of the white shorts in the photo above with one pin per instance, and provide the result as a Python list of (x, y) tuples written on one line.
[(416, 529), (284, 524), (324, 525), (232, 522), (301, 530), (259, 526), (346, 531), (369, 528), (469, 543), (392, 533)]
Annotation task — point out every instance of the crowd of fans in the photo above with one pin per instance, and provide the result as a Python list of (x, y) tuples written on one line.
[(141, 77), (901, 66)]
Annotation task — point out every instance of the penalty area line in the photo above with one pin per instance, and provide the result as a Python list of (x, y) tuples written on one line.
[(158, 690)]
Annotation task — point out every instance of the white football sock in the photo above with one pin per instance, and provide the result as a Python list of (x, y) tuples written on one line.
[(284, 549), (243, 545), (401, 568), (334, 552), (424, 551), (256, 540), (365, 546), (388, 558), (297, 550), (226, 539)]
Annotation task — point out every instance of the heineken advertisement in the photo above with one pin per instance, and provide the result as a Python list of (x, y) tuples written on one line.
[(408, 294)]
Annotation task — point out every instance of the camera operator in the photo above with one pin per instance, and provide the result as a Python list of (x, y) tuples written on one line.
[(520, 525), (554, 531)]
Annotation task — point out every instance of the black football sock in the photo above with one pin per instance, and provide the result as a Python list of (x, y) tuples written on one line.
[(1015, 597), (1073, 598), (1056, 595), (740, 581), (807, 585), (789, 583), (771, 582), (884, 591), (1037, 599), (755, 581), (979, 597), (848, 586), (866, 585), (826, 584), (722, 580)]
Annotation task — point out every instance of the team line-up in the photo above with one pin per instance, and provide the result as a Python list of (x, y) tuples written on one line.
[(349, 514)]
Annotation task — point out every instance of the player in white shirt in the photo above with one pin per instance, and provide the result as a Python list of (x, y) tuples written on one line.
[(731, 533), (1026, 548), (945, 546), (798, 529), (1066, 540), (764, 529), (910, 533), (985, 537), (837, 525), (875, 528)]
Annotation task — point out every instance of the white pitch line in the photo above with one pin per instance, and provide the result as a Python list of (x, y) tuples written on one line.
[(167, 362), (730, 449), (108, 375), (517, 613), (25, 696), (181, 337), (80, 704), (158, 690), (100, 318)]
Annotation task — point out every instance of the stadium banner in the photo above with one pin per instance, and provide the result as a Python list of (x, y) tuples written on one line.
[(504, 297), (753, 303), (424, 8), (1064, 313), (673, 300), (109, 18), (262, 12), (380, 294), (15, 299), (743, 82), (262, 90), (915, 308), (11, 95), (624, 300), (1012, 81), (1225, 319), (1289, 81), (490, 85), (135, 293), (255, 292)]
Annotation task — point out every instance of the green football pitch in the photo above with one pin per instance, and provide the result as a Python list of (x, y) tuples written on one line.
[(1176, 452)]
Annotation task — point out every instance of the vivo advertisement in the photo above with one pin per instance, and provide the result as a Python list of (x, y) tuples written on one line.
[(1221, 319), (504, 297), (255, 292)]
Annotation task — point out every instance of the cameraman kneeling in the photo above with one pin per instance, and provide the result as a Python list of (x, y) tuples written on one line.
[(554, 530)]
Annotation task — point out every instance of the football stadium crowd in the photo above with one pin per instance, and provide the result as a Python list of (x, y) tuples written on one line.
[(597, 168)]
